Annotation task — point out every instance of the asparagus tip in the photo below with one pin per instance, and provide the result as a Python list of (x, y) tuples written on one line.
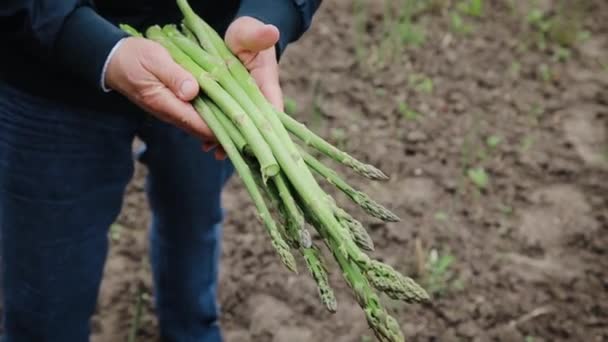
[(368, 171), (375, 209), (397, 286)]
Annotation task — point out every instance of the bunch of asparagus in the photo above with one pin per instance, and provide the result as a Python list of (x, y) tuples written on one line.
[(278, 174)]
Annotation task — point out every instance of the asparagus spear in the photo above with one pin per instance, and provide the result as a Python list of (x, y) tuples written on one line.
[(188, 33), (233, 132), (384, 326), (228, 105), (370, 206), (310, 252), (311, 139), (246, 175), (193, 22), (130, 30), (358, 232)]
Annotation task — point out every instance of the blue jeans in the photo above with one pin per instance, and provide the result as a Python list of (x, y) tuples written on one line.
[(63, 172)]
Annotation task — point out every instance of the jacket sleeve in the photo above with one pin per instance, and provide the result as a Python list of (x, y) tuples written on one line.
[(61, 33), (291, 17)]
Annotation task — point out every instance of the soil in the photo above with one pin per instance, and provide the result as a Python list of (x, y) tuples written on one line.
[(530, 261)]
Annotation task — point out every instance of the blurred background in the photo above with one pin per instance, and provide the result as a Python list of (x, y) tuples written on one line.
[(491, 118)]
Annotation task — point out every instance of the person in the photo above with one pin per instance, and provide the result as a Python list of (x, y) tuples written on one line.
[(74, 92)]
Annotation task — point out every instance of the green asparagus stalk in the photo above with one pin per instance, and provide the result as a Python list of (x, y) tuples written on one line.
[(195, 24), (224, 101), (358, 232), (370, 206), (384, 326), (397, 286), (130, 30), (293, 212), (188, 33), (246, 175), (314, 261), (311, 139), (204, 59), (310, 253), (233, 132), (219, 70)]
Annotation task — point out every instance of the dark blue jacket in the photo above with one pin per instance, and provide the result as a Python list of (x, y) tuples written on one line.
[(58, 47)]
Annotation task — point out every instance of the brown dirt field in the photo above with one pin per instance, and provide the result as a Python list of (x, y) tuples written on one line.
[(530, 257)]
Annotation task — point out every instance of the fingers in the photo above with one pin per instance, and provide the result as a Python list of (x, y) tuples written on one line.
[(250, 34), (172, 75), (208, 146), (265, 71), (219, 154), (272, 91), (168, 107)]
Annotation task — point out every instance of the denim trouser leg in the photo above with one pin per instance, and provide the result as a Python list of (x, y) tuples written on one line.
[(184, 189), (62, 176)]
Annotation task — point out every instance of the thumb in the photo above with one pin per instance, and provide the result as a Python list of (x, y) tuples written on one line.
[(174, 77), (250, 34)]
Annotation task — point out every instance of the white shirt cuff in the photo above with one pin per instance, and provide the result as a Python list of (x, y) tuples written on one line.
[(102, 81)]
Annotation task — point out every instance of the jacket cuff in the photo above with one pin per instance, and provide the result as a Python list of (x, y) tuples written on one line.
[(283, 14), (84, 44)]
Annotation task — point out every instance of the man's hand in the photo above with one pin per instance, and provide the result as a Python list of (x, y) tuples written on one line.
[(143, 71), (253, 43)]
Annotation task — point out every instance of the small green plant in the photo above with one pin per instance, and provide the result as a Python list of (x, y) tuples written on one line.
[(380, 92), (360, 21), (339, 136), (530, 338), (411, 34), (515, 69), (537, 18), (421, 83), (545, 73), (441, 216), (291, 106), (564, 27), (399, 31), (472, 8), (317, 112), (561, 54), (479, 177), (527, 144), (366, 338), (407, 112), (493, 141), (583, 36), (505, 209), (537, 110), (459, 25), (439, 273)]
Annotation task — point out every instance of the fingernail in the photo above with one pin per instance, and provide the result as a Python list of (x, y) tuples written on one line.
[(188, 87)]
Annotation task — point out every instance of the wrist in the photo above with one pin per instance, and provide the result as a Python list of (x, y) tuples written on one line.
[(103, 82)]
